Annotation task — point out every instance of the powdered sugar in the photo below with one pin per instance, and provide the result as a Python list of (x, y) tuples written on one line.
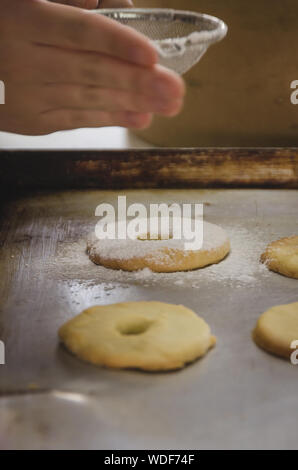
[(213, 237), (241, 268)]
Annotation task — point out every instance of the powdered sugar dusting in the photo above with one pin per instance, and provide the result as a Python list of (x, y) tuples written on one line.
[(213, 237), (243, 265), (241, 268)]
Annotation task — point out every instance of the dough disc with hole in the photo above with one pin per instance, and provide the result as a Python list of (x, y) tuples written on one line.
[(153, 336), (277, 328), (160, 255), (281, 256)]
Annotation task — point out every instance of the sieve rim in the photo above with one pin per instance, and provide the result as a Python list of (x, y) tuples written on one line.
[(204, 36)]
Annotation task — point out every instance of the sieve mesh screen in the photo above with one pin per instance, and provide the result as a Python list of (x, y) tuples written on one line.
[(180, 37)]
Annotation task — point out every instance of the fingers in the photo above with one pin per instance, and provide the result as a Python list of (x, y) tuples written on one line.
[(33, 110), (88, 4), (68, 68), (104, 99), (78, 29), (61, 66), (92, 4), (62, 119), (115, 3)]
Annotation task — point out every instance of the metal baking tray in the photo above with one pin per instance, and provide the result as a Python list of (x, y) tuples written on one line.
[(236, 397)]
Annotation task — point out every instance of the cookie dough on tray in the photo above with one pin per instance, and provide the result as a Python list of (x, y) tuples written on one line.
[(281, 256), (277, 329), (152, 336), (160, 255)]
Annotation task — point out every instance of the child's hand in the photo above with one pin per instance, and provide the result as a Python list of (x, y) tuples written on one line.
[(66, 67)]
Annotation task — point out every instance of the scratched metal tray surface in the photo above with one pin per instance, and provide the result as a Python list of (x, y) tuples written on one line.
[(236, 397)]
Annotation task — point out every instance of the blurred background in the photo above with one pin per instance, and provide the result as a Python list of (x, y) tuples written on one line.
[(239, 93)]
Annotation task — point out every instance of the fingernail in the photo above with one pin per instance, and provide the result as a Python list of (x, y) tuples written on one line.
[(160, 103), (171, 108), (162, 88), (138, 120), (131, 117)]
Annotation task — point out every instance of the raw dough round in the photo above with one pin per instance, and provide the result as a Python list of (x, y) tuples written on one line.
[(144, 335), (160, 255), (281, 256), (277, 328)]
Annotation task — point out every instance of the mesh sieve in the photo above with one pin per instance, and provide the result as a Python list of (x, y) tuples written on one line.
[(180, 37)]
